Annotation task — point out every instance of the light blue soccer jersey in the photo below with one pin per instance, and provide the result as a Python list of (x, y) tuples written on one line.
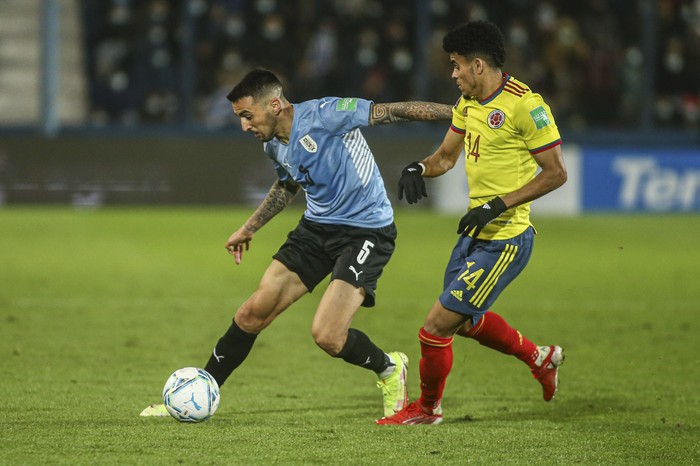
[(328, 156)]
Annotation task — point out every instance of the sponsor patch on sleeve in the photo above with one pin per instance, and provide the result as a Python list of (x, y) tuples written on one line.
[(540, 117), (346, 105)]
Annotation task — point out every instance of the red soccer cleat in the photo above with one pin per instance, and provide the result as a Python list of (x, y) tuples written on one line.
[(412, 414), (547, 373)]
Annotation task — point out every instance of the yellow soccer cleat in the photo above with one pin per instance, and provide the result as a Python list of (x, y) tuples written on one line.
[(394, 391), (155, 410)]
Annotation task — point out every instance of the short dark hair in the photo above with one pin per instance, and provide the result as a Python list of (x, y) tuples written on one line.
[(477, 39), (255, 84)]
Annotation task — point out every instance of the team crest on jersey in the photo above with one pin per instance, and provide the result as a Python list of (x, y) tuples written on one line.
[(309, 144), (496, 119)]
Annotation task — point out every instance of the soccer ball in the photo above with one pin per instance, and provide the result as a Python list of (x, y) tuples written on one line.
[(191, 395)]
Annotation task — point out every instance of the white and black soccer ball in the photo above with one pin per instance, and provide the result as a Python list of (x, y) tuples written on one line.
[(191, 395)]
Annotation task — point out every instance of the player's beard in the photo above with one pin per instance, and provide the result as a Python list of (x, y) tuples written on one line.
[(271, 125)]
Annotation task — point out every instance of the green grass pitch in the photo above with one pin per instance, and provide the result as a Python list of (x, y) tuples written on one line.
[(97, 308)]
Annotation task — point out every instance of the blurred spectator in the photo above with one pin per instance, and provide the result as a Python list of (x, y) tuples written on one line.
[(587, 58), (318, 73), (132, 60)]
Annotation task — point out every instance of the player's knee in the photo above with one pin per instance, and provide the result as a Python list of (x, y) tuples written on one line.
[(444, 323), (252, 318), (248, 322), (328, 342)]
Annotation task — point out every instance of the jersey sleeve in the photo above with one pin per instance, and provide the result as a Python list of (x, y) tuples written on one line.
[(459, 124), (536, 123), (341, 115)]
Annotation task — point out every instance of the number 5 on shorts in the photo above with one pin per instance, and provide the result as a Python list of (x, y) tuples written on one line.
[(364, 252)]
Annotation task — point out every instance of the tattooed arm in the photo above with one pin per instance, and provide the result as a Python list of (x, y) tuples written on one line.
[(279, 196), (408, 111)]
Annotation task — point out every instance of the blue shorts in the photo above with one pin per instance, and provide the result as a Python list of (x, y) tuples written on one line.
[(478, 271)]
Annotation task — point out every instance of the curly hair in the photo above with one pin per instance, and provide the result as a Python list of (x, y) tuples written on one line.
[(256, 84), (480, 39)]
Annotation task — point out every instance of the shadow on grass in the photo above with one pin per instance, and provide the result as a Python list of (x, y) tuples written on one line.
[(555, 411)]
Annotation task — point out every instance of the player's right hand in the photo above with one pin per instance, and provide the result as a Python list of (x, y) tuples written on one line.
[(412, 183), (236, 252), (237, 241)]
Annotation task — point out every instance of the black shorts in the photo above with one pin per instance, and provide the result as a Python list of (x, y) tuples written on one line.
[(354, 255)]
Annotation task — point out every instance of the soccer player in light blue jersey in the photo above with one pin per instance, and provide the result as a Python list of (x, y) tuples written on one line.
[(347, 230)]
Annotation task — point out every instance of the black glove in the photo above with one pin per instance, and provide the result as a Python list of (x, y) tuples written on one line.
[(478, 217), (412, 183)]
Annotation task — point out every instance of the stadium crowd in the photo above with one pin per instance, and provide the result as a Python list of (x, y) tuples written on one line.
[(589, 59)]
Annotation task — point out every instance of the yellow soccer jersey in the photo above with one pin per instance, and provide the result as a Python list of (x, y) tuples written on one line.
[(500, 134)]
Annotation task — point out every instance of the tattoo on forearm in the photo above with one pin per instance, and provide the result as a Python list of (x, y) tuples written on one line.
[(276, 200), (409, 111)]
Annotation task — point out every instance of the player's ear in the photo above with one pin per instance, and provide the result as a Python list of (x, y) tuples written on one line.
[(276, 105)]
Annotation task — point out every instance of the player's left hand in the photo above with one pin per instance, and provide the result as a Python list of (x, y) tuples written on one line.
[(478, 217)]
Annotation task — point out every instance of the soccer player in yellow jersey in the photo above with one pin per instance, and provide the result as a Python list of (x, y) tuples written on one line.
[(507, 132)]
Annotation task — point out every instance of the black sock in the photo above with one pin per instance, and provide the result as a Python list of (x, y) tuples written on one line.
[(360, 351), (230, 351)]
